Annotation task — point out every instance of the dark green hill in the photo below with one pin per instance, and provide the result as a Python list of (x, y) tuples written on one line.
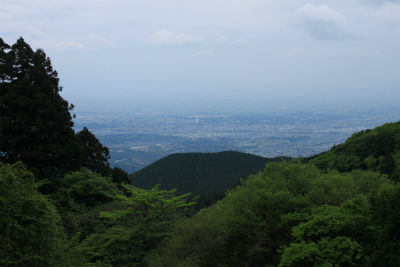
[(375, 149), (200, 173)]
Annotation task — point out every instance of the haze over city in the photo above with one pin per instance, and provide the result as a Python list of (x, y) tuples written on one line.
[(277, 52), (199, 133)]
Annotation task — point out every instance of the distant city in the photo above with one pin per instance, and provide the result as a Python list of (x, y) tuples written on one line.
[(138, 134)]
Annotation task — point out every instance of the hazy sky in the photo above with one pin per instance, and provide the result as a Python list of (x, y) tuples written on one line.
[(215, 50)]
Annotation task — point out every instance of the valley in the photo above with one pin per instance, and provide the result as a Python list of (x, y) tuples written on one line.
[(138, 135)]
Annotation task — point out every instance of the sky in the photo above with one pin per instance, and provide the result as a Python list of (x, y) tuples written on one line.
[(272, 51)]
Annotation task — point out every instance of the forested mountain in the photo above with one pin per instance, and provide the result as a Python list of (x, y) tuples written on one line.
[(293, 214), (375, 149), (200, 173), (339, 209)]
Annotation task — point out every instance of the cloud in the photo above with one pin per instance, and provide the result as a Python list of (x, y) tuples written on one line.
[(205, 53), (62, 45), (35, 33), (240, 41), (169, 38), (378, 3), (296, 52), (39, 39), (322, 22), (222, 39), (97, 39)]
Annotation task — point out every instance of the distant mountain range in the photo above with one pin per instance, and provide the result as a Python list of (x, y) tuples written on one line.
[(202, 173)]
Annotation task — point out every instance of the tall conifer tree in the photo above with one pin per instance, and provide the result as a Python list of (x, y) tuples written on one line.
[(36, 124)]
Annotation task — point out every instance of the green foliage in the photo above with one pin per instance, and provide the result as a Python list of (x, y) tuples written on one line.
[(293, 209), (243, 228), (334, 234), (85, 189), (375, 150), (332, 212), (396, 170), (80, 198), (29, 231), (199, 173), (145, 219), (363, 231), (198, 241), (95, 154), (36, 124), (385, 220), (207, 200), (329, 252), (334, 188), (120, 176)]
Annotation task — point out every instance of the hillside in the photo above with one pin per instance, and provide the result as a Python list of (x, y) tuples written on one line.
[(200, 173), (375, 149), (63, 205)]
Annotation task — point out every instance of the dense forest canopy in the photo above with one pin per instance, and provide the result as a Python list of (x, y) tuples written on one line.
[(372, 149), (200, 173), (293, 214), (62, 205)]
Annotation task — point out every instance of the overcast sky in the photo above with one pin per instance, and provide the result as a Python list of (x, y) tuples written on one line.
[(215, 50)]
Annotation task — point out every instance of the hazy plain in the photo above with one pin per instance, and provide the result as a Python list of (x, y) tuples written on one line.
[(139, 132)]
